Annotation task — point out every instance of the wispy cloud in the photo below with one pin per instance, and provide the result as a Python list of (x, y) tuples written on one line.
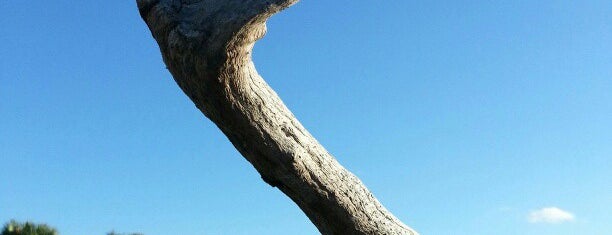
[(551, 215)]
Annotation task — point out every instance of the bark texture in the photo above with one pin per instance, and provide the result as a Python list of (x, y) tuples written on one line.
[(206, 45)]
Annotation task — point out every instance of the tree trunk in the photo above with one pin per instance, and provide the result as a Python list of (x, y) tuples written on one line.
[(206, 45)]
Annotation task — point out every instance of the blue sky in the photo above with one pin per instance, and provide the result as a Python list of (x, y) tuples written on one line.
[(475, 117)]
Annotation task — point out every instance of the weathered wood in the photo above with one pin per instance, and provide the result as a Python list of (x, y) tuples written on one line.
[(206, 45)]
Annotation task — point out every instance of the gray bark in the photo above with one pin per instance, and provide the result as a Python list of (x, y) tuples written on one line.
[(206, 45)]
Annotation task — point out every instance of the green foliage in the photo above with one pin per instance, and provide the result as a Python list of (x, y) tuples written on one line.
[(115, 233), (28, 228)]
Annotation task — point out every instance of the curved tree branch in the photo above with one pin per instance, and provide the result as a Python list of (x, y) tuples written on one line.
[(206, 45)]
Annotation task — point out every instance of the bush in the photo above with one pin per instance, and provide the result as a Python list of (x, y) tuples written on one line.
[(115, 233), (28, 228)]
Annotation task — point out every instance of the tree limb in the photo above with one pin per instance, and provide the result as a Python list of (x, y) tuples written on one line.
[(206, 45)]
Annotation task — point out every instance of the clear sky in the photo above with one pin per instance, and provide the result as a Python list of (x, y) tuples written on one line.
[(475, 117)]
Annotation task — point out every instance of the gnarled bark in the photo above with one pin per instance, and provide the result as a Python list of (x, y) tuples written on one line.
[(206, 45)]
